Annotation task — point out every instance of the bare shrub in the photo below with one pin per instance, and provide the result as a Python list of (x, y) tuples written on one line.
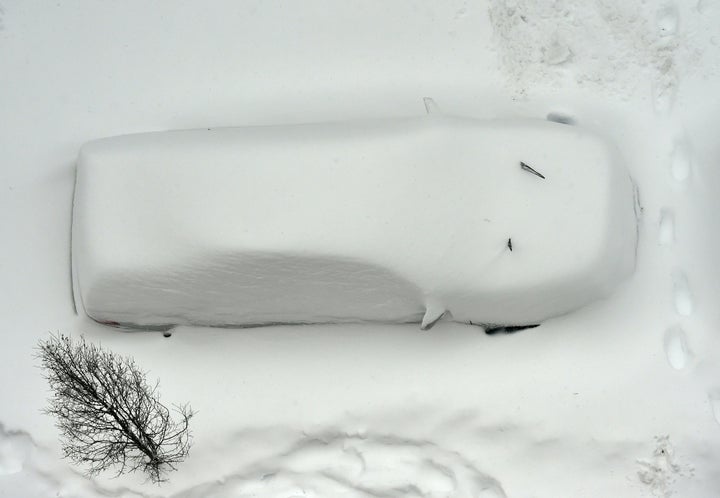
[(108, 415)]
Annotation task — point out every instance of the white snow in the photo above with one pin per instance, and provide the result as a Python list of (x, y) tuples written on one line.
[(676, 348), (377, 220), (661, 471), (582, 406), (359, 466), (666, 229), (14, 450), (682, 294), (681, 162)]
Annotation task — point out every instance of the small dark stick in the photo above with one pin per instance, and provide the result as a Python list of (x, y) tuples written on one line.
[(509, 244), (531, 170), (507, 329)]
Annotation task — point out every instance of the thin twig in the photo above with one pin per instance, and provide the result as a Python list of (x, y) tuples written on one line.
[(529, 169)]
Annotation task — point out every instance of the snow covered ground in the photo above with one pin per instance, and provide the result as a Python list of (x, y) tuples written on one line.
[(621, 398)]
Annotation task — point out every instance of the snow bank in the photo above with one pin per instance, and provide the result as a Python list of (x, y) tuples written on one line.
[(352, 466), (395, 221), (14, 450)]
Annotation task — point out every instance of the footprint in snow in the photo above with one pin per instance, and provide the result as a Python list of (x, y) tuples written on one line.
[(663, 94), (681, 294), (676, 348), (666, 231), (681, 163), (667, 21), (714, 399)]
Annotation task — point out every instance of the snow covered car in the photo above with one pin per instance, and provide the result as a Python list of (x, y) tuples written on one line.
[(495, 223)]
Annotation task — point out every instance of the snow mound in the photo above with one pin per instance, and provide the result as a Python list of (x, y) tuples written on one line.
[(15, 447), (403, 220), (357, 467)]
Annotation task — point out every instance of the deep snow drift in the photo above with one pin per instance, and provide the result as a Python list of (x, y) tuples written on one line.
[(384, 220)]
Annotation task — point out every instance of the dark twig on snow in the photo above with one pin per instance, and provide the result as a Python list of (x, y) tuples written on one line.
[(509, 244), (507, 329), (108, 415), (531, 170)]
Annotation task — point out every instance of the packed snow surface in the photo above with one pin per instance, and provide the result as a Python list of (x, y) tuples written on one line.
[(495, 222)]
